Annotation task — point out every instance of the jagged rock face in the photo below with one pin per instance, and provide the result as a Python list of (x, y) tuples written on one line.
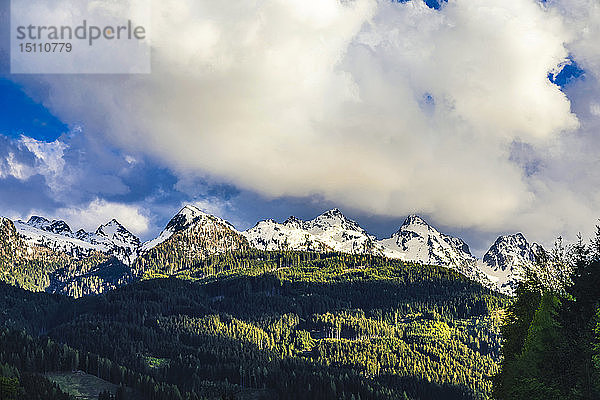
[(417, 241), (508, 258), (509, 252), (459, 244), (117, 232), (55, 226), (330, 231), (112, 239), (539, 252), (291, 222), (120, 242), (38, 222), (81, 261), (189, 237)]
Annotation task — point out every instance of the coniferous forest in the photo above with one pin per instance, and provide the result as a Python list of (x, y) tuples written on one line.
[(297, 325), (265, 325)]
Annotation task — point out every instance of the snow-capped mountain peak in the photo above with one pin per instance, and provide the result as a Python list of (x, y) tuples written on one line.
[(418, 241), (117, 239), (116, 233), (539, 252), (39, 231), (113, 223), (202, 233), (333, 218), (331, 230), (508, 251), (186, 217), (291, 222), (271, 235), (112, 229), (334, 213), (415, 226), (189, 216), (60, 227), (507, 259), (55, 226), (38, 222), (111, 238), (414, 220), (81, 234)]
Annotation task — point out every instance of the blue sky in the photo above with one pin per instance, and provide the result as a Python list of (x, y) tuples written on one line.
[(22, 115), (347, 129)]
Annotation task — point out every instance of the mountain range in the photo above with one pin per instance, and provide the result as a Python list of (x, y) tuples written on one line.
[(111, 238), (192, 235)]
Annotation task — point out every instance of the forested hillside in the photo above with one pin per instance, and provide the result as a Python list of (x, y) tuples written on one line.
[(270, 325)]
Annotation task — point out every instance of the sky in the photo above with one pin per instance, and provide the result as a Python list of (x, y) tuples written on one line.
[(481, 116)]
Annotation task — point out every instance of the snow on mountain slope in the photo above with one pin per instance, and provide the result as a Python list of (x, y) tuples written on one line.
[(38, 234), (120, 242), (328, 231), (111, 238), (188, 239), (415, 241), (508, 258), (185, 218), (58, 227), (418, 241), (271, 235), (198, 234), (508, 252)]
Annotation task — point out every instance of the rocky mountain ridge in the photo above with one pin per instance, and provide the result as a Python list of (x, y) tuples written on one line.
[(111, 238), (507, 259), (192, 235), (189, 237), (330, 231)]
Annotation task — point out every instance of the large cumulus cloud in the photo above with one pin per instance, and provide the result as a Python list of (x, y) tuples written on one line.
[(387, 108)]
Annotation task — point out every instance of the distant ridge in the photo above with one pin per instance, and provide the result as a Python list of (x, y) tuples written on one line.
[(192, 234)]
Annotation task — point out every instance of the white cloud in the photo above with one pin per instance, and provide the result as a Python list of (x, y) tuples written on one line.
[(27, 157), (49, 154), (100, 211), (10, 166), (383, 107)]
